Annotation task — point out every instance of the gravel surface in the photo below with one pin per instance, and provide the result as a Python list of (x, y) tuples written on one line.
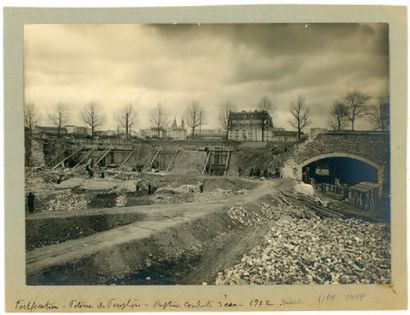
[(316, 251)]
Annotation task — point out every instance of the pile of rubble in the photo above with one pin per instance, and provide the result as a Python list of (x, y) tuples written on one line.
[(121, 201), (254, 217), (64, 201), (316, 251)]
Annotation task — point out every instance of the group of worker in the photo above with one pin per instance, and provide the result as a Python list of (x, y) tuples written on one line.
[(150, 189), (90, 171)]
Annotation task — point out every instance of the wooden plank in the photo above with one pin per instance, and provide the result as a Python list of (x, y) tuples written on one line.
[(57, 157), (155, 156), (206, 162), (103, 156), (172, 160), (85, 158), (65, 159), (127, 158), (227, 162)]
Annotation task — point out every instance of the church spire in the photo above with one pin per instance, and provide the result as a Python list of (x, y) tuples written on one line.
[(182, 123), (174, 124)]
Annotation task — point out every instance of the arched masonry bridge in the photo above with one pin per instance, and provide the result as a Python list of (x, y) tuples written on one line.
[(350, 154)]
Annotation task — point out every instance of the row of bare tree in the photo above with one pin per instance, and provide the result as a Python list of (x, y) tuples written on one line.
[(355, 106), (352, 107), (93, 117)]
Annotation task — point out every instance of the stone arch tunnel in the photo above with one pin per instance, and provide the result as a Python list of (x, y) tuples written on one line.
[(351, 157)]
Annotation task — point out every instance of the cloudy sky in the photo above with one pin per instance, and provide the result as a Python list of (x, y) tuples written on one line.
[(115, 65)]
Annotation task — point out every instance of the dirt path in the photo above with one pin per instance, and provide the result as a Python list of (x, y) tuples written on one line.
[(222, 255), (159, 219)]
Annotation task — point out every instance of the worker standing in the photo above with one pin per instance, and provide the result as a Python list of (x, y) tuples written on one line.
[(201, 187), (88, 168), (30, 202)]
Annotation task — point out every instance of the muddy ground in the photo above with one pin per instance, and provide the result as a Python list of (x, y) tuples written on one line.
[(101, 231)]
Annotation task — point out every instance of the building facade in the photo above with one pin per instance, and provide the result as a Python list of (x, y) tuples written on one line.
[(211, 134), (250, 126), (284, 136), (45, 130), (178, 133), (158, 133), (78, 130)]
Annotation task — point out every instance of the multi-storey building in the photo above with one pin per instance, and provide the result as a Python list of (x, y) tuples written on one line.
[(78, 130), (250, 126)]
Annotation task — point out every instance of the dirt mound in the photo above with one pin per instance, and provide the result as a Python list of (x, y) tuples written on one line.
[(189, 162), (142, 155), (257, 159), (233, 169)]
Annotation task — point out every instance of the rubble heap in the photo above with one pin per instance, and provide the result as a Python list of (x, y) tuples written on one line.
[(263, 214), (316, 251), (65, 201)]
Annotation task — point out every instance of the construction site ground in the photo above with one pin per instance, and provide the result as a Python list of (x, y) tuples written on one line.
[(178, 235)]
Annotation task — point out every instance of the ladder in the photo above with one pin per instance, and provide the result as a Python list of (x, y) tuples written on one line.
[(65, 159)]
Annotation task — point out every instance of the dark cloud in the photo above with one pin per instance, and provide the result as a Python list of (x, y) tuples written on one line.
[(174, 64)]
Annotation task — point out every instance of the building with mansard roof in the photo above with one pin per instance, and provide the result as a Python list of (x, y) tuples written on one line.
[(250, 126)]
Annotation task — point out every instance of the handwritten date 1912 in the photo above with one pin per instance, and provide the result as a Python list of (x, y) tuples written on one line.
[(260, 303)]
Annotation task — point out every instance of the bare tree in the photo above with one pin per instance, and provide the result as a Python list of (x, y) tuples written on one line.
[(92, 117), (338, 116), (224, 116), (31, 116), (266, 123), (194, 114), (300, 116), (59, 117), (356, 106), (265, 105), (159, 118), (126, 117), (379, 114)]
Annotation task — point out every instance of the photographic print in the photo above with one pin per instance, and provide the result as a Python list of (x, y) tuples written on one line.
[(207, 154), (217, 155)]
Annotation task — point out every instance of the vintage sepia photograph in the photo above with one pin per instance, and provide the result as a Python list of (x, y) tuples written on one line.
[(207, 154)]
